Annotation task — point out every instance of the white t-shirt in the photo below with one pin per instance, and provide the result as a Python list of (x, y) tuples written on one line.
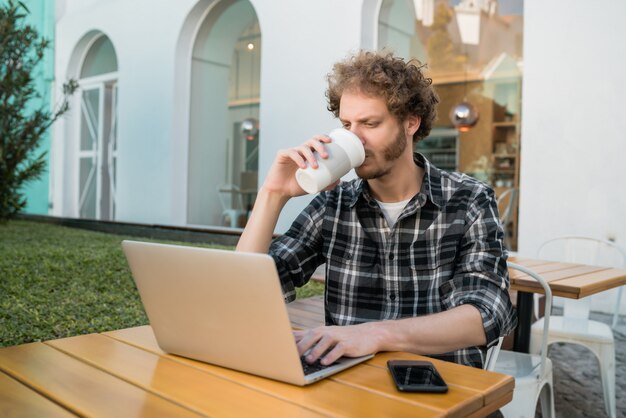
[(392, 210)]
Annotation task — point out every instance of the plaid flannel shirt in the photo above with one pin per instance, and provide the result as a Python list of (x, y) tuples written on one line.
[(445, 250)]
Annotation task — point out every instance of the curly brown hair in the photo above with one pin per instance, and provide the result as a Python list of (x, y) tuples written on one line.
[(380, 74)]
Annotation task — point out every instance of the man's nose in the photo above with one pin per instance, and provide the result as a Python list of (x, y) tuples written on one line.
[(358, 132)]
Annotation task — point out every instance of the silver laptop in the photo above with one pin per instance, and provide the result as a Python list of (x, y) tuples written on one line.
[(221, 307)]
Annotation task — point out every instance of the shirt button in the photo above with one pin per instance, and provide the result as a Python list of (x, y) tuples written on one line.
[(392, 296), (348, 256), (391, 256)]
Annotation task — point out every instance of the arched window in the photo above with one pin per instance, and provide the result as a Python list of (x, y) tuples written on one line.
[(224, 115), (97, 153)]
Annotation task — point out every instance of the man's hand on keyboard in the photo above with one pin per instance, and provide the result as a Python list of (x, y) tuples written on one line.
[(349, 341)]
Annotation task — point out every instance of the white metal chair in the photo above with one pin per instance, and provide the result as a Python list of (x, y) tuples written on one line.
[(232, 205), (492, 355), (574, 326), (533, 373)]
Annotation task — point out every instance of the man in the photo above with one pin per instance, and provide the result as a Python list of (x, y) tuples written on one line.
[(414, 255)]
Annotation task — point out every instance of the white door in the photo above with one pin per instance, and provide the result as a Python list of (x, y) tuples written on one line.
[(97, 149)]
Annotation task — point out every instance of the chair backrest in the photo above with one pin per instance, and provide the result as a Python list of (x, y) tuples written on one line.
[(585, 250), (506, 204), (546, 322), (492, 355), (230, 196)]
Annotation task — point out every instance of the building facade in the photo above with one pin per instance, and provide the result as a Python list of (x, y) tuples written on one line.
[(183, 105)]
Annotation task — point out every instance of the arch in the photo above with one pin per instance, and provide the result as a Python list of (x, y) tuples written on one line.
[(396, 26), (99, 59), (91, 134), (217, 74), (369, 24), (81, 50)]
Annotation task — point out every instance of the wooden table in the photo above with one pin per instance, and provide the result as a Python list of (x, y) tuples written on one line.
[(124, 374), (569, 280), (248, 196)]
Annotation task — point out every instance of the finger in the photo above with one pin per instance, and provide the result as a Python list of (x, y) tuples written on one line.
[(323, 138), (298, 334), (320, 348), (308, 340), (296, 157), (317, 144), (333, 355), (307, 152)]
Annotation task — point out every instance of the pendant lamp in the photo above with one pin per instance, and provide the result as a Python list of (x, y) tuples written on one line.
[(250, 129), (464, 115)]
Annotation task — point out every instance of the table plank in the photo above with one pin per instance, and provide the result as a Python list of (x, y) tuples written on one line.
[(190, 387), (528, 262), (79, 387), (576, 270), (18, 400), (553, 275), (493, 406), (305, 318), (595, 282), (307, 312), (553, 266), (312, 303), (328, 396)]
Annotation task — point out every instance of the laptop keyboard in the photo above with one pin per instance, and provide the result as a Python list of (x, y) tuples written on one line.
[(313, 367)]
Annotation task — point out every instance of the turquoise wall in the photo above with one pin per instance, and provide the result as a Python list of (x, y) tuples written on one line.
[(42, 18)]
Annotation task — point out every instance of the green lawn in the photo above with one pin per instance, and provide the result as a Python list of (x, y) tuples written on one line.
[(57, 282)]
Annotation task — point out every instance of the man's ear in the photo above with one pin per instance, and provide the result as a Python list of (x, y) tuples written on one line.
[(412, 124)]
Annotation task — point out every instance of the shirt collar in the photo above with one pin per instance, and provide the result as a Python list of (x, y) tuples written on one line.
[(431, 185)]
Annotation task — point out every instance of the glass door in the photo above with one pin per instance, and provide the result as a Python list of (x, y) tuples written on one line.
[(98, 151)]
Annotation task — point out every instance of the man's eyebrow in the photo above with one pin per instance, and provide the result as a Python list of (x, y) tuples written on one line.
[(363, 119)]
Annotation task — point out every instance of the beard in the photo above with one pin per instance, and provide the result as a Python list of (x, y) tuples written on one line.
[(390, 155)]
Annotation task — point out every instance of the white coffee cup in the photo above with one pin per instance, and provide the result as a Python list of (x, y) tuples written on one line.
[(345, 152)]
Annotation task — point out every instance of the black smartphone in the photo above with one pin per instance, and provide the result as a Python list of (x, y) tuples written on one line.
[(416, 376)]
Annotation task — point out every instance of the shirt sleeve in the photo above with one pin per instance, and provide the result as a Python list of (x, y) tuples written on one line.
[(298, 252), (481, 276)]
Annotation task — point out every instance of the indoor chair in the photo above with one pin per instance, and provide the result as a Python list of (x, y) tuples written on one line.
[(532, 373), (574, 326), (232, 205), (506, 206)]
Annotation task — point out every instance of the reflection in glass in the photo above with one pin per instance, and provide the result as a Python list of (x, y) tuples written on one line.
[(100, 59), (473, 50)]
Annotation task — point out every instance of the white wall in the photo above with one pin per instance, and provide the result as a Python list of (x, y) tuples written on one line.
[(301, 41), (573, 125)]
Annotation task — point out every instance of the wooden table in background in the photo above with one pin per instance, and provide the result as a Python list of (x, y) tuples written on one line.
[(125, 374), (568, 280)]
